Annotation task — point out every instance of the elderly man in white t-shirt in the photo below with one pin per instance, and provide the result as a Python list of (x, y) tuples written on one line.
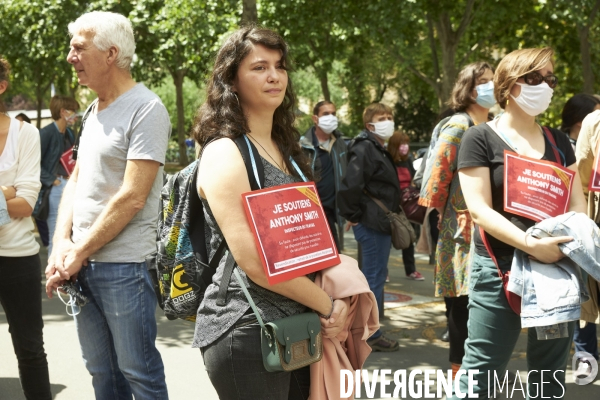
[(107, 217)]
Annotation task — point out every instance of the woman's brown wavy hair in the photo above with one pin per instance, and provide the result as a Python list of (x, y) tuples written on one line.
[(4, 76), (221, 114)]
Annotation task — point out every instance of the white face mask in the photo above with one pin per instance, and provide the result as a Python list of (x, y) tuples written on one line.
[(383, 129), (328, 123), (534, 100)]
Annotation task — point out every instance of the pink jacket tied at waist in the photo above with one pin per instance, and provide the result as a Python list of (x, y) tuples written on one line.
[(349, 349)]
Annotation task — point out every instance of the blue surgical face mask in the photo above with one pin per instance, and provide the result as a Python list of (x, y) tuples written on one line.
[(485, 95)]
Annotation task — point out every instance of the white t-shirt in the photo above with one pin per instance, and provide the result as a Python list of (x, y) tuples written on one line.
[(20, 167), (135, 126)]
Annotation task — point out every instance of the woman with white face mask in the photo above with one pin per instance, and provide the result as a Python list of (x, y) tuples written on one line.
[(471, 99), (371, 169), (524, 83)]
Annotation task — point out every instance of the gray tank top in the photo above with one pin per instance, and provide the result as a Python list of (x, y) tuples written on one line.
[(212, 320)]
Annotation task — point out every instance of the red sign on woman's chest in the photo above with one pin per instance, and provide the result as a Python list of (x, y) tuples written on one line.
[(290, 230), (535, 189)]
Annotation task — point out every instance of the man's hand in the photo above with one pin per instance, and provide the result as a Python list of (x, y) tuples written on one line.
[(73, 263), (59, 251), (64, 264), (333, 326), (53, 283)]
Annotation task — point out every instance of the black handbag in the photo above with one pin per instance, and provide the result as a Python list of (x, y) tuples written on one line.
[(42, 204)]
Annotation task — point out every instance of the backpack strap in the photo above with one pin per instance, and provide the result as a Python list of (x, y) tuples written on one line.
[(78, 138), (558, 155), (254, 169), (256, 177)]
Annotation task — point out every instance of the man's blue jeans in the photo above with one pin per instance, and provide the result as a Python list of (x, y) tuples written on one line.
[(375, 255), (117, 332)]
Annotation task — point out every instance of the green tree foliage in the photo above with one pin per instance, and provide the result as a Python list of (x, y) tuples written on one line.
[(35, 41), (313, 29), (178, 38), (353, 52)]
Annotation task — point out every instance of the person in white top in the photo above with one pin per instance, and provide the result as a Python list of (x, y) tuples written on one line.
[(21, 283)]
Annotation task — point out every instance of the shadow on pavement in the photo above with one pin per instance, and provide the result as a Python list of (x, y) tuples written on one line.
[(10, 389)]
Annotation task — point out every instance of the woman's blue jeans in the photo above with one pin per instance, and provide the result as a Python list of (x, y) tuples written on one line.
[(375, 255), (117, 332), (53, 202)]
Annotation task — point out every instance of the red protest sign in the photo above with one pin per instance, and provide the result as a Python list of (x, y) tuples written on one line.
[(594, 184), (290, 230), (67, 161), (535, 189)]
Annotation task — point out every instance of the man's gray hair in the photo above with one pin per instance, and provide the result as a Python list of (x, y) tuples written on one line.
[(109, 29)]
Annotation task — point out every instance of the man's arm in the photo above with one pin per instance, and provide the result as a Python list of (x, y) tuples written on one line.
[(131, 198)]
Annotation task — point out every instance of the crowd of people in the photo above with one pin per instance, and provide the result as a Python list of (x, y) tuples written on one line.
[(98, 216)]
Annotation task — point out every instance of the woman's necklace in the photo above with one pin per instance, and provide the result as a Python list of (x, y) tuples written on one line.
[(261, 146)]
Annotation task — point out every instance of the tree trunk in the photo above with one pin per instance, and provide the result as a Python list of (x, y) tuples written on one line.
[(324, 85), (449, 68), (586, 60), (249, 13), (178, 77), (39, 99)]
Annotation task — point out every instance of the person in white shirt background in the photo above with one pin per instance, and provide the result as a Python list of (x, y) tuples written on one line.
[(21, 284)]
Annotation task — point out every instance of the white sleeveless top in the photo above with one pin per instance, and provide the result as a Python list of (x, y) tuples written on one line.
[(9, 155)]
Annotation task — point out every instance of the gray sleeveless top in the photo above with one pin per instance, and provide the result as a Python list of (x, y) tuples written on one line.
[(212, 321)]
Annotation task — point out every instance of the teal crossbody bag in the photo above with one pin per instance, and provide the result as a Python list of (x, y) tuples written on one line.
[(287, 343)]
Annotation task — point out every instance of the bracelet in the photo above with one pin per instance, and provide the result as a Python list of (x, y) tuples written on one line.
[(330, 312)]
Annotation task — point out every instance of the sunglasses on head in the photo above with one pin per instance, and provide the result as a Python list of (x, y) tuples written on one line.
[(535, 78)]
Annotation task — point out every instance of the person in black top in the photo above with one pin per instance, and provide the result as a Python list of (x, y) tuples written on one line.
[(328, 153), (399, 150), (573, 113), (371, 170), (523, 87), (56, 138)]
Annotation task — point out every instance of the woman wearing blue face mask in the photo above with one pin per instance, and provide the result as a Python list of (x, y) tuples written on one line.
[(371, 173), (472, 97), (524, 83)]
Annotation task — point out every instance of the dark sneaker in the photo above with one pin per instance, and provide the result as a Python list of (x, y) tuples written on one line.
[(416, 276), (383, 344)]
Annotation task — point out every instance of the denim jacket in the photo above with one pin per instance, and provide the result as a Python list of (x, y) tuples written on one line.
[(553, 293), (4, 217)]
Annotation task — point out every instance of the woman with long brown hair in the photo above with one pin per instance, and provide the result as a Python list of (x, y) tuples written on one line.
[(249, 93), (471, 99), (21, 284)]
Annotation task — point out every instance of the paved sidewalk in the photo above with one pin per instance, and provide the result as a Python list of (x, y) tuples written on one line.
[(412, 316)]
